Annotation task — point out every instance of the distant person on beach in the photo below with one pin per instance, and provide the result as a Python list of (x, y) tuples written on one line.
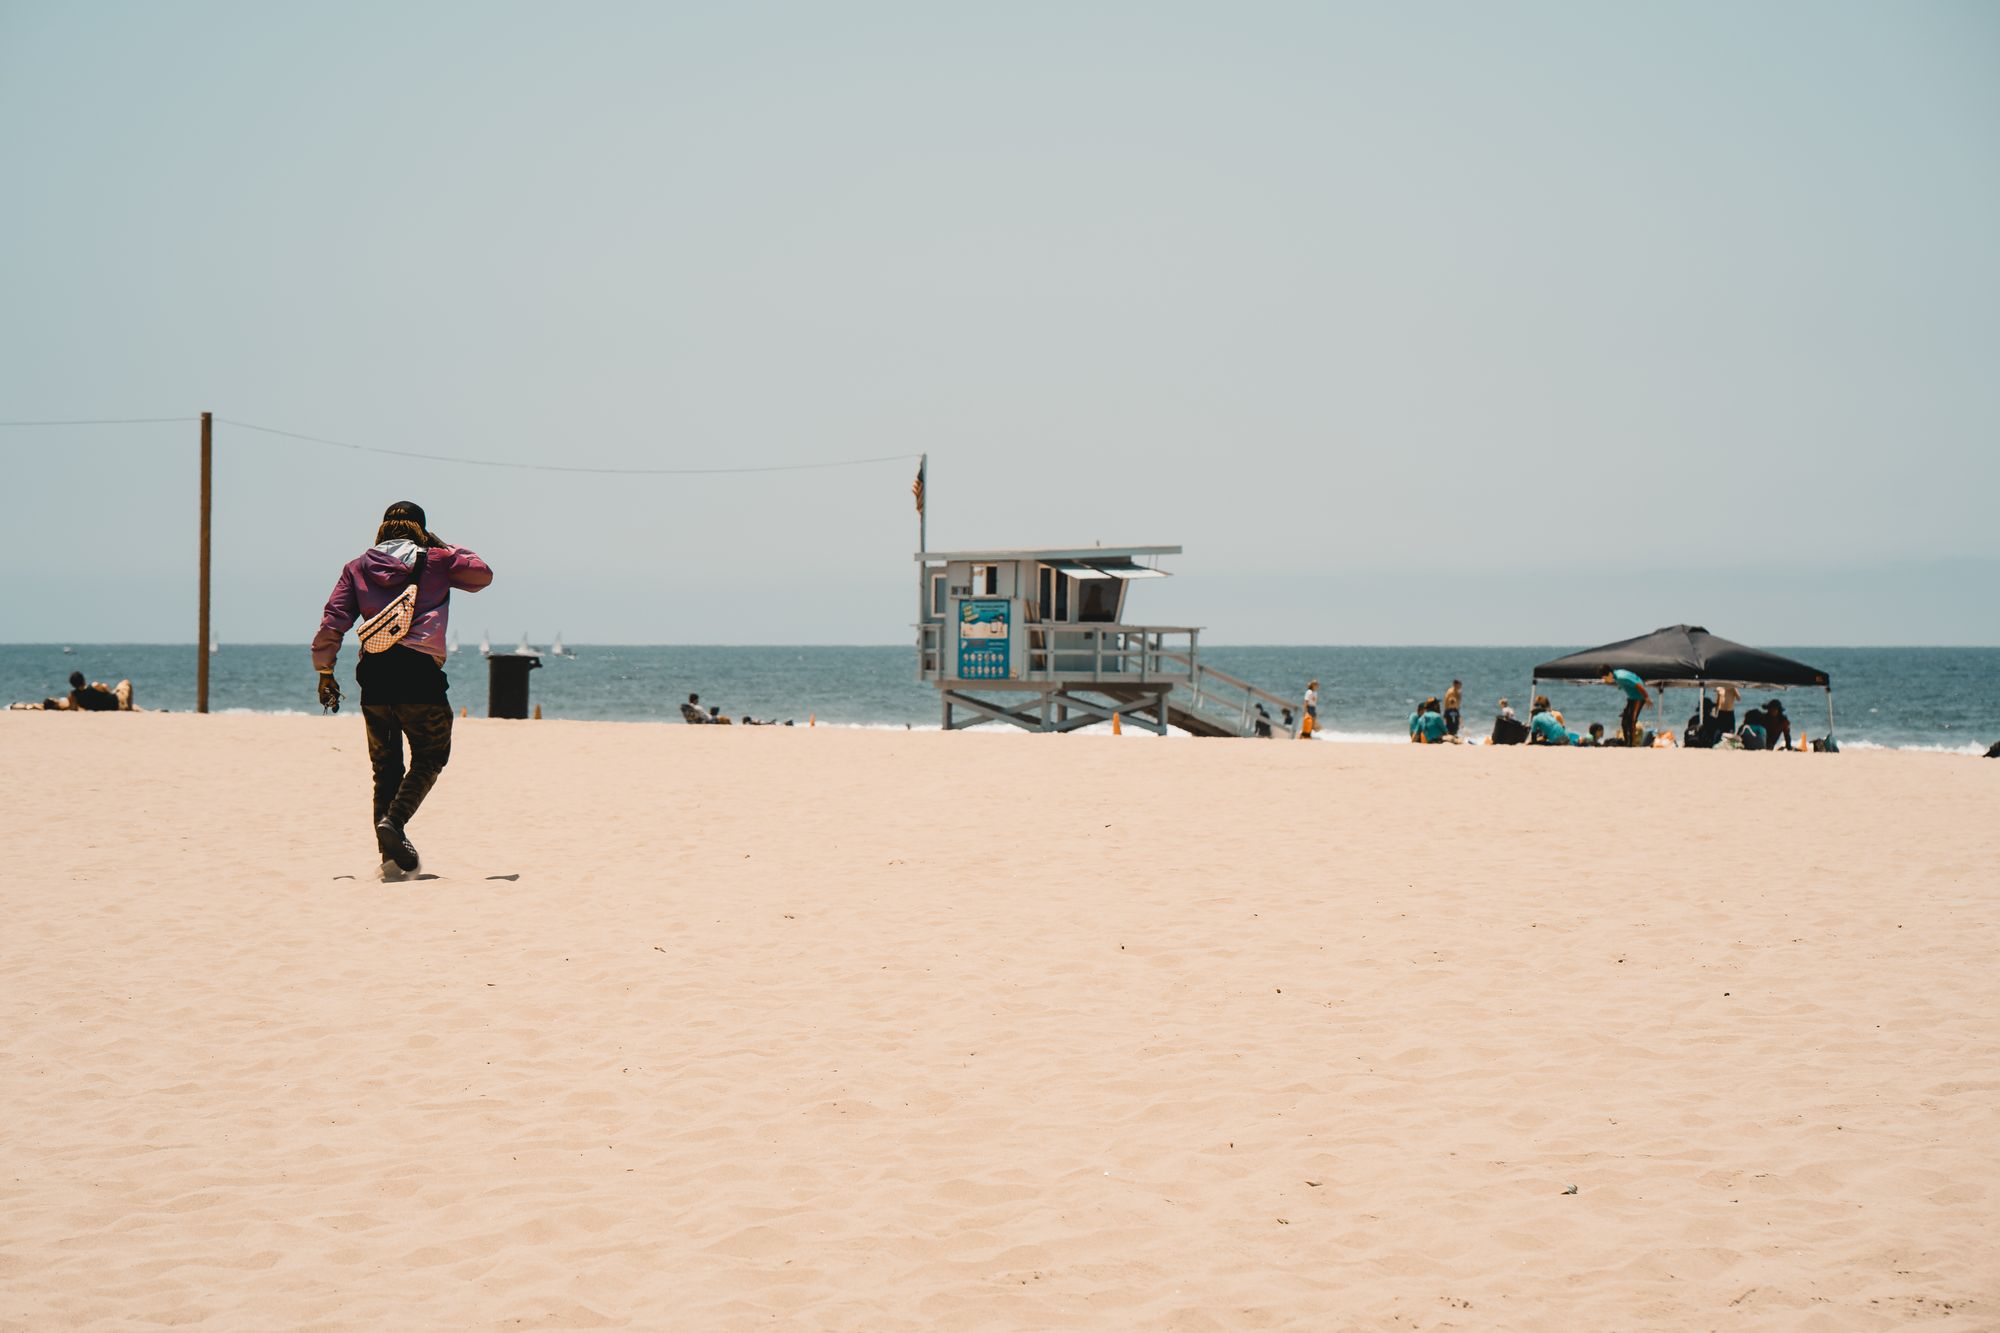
[(1312, 704), (1635, 701), (1452, 697), (1595, 736), (403, 683), (1260, 725), (1725, 709), (86, 696), (1506, 709), (1546, 727), (1771, 726), (1427, 723), (691, 711)]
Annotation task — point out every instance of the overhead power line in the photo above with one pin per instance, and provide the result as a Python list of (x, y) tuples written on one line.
[(107, 421), (479, 462), (559, 467)]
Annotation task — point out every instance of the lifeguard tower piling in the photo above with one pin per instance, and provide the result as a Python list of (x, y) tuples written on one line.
[(1037, 639)]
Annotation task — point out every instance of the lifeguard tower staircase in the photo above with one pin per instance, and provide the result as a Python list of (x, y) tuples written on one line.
[(1038, 640)]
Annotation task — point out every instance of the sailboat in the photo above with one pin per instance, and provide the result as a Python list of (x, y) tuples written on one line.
[(213, 646), (451, 647), (556, 649), (485, 644), (524, 650)]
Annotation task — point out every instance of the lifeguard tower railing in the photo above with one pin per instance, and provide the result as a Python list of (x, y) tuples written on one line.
[(1083, 674)]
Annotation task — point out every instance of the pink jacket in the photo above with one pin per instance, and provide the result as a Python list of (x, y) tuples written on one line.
[(371, 581)]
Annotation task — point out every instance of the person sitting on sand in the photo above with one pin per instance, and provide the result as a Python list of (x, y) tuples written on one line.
[(691, 711), (1595, 736), (1427, 724), (715, 716), (1546, 728), (1772, 726), (1507, 709)]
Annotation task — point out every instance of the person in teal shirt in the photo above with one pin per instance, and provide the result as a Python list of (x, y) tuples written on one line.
[(1635, 701), (1545, 729), (1427, 724)]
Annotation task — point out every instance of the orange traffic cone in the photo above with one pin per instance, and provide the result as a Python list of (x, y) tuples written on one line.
[(538, 712), (1116, 729)]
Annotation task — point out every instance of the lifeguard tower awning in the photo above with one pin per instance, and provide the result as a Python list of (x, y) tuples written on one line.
[(1085, 562), (1685, 655)]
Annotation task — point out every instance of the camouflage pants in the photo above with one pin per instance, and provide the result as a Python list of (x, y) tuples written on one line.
[(399, 793)]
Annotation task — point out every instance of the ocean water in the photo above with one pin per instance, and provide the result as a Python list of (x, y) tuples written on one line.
[(1907, 698)]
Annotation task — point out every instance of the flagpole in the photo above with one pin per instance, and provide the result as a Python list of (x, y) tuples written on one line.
[(923, 503)]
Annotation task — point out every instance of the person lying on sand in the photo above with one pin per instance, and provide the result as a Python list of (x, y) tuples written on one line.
[(86, 697)]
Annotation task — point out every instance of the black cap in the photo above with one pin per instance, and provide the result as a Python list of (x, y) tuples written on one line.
[(408, 509)]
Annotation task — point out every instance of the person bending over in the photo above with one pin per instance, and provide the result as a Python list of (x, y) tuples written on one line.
[(403, 686), (1635, 701)]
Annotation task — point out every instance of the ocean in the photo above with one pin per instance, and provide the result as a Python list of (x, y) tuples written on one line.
[(1904, 698)]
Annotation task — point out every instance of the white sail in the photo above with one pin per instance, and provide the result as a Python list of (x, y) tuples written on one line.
[(485, 644), (452, 647), (213, 646), (556, 649)]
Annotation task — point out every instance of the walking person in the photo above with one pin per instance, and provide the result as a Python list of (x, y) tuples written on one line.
[(400, 591), (1635, 701), (1310, 723), (1452, 697)]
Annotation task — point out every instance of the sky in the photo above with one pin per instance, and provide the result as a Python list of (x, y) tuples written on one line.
[(1452, 323)]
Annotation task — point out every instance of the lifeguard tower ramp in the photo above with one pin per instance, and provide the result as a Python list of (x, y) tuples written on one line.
[(1037, 639)]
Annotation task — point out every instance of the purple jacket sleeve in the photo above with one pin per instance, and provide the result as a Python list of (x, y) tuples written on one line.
[(468, 573), (342, 606)]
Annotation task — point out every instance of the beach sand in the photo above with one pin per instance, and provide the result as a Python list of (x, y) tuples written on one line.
[(706, 1028)]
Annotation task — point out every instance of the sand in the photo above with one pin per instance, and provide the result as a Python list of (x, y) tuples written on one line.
[(872, 1030)]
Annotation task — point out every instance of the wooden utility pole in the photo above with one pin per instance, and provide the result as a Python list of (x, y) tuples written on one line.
[(201, 631)]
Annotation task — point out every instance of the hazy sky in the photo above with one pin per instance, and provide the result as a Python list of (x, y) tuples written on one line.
[(1439, 323)]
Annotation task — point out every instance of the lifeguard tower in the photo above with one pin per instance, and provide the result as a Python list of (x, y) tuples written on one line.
[(1038, 640)]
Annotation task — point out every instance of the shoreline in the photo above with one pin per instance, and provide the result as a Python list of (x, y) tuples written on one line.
[(1970, 749)]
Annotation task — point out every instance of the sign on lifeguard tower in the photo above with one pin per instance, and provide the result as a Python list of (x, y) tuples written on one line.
[(982, 639)]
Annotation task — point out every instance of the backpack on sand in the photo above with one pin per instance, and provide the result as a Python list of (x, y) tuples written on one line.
[(386, 628)]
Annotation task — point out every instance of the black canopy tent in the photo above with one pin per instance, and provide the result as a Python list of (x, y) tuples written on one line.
[(1687, 655)]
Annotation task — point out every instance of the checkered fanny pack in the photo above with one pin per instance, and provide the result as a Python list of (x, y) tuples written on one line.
[(387, 627)]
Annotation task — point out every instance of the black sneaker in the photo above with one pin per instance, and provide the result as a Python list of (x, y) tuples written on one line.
[(390, 841)]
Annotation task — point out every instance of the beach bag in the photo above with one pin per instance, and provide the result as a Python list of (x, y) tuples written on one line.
[(387, 627)]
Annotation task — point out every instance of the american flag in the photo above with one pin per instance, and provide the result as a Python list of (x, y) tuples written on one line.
[(917, 486)]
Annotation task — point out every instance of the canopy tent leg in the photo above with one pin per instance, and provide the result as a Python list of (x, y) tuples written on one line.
[(1829, 712)]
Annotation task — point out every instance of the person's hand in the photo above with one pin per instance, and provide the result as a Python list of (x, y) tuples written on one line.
[(329, 692)]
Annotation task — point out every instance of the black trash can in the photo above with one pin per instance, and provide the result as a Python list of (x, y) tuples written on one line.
[(507, 683)]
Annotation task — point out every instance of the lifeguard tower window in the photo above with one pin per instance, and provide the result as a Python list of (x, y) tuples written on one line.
[(986, 580), (1054, 603), (937, 596), (1097, 600)]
